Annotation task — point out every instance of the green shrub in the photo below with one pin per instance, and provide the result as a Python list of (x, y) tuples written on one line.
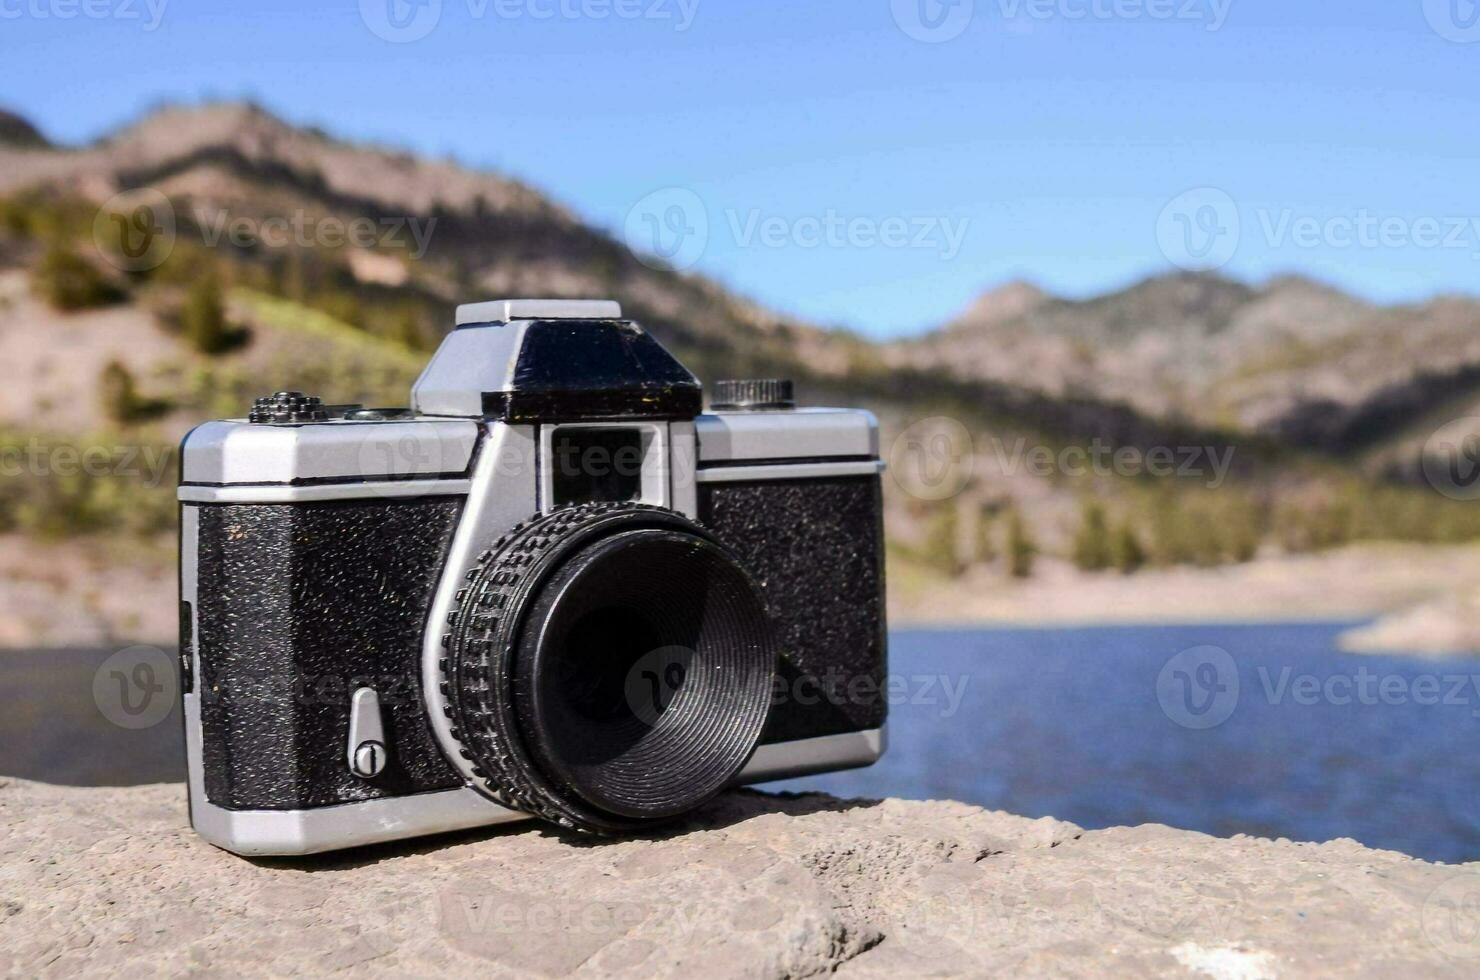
[(1021, 550), (342, 305), (68, 281), (406, 329), (203, 318), (118, 394), (1204, 527), (1126, 553), (89, 485), (120, 399), (986, 530), (1316, 525), (943, 540), (38, 215), (1091, 549), (1178, 538)]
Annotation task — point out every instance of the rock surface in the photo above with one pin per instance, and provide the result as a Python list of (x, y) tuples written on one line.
[(1445, 627), (111, 880)]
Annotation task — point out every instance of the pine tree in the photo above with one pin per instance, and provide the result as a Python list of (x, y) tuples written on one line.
[(1092, 541), (204, 316), (943, 540), (986, 528), (118, 393), (1020, 547), (68, 281), (408, 329), (1126, 553)]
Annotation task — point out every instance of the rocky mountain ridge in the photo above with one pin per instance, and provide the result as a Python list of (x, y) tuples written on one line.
[(492, 235), (1293, 359), (495, 236)]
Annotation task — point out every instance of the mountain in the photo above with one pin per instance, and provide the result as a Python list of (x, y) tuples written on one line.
[(1309, 401), (1007, 302), (489, 235), (1292, 359), (1295, 416), (18, 131), (493, 235)]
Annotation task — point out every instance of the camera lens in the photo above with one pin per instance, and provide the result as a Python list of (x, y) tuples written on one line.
[(627, 674), (643, 673)]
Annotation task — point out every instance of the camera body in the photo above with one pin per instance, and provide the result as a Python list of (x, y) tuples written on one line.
[(553, 586)]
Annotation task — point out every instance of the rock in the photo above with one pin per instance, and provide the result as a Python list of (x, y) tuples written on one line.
[(1445, 627), (112, 880)]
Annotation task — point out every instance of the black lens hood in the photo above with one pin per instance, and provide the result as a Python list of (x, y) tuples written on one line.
[(607, 666)]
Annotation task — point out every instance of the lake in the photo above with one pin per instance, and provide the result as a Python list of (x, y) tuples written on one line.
[(1089, 726), (1266, 730)]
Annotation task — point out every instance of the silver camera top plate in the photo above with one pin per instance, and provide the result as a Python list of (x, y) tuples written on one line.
[(231, 451)]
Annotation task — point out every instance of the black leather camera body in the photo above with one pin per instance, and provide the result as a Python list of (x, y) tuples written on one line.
[(552, 587)]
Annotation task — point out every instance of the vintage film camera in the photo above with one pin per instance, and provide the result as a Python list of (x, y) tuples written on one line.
[(551, 587)]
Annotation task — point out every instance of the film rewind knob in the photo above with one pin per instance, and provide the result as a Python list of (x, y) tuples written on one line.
[(753, 395)]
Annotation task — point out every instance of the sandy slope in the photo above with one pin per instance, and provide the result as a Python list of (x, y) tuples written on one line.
[(52, 360), (86, 594), (1352, 583)]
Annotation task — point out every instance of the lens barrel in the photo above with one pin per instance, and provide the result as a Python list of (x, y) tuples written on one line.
[(608, 666)]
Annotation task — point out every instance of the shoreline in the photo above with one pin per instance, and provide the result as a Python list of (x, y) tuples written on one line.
[(1048, 626), (1398, 598)]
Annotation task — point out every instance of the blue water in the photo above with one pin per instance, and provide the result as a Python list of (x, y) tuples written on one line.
[(1070, 723), (1067, 723)]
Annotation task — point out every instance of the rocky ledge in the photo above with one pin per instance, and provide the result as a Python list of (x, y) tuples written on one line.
[(111, 880), (1445, 627)]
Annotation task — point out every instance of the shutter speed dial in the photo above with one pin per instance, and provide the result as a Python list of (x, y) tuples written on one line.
[(288, 406)]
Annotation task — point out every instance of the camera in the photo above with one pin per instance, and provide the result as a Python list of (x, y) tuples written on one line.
[(553, 586)]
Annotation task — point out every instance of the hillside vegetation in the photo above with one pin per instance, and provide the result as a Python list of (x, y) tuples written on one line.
[(1308, 401)]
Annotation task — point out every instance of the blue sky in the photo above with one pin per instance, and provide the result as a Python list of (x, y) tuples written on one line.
[(855, 165)]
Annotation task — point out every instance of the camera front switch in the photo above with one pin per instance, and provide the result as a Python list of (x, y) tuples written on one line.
[(367, 752)]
